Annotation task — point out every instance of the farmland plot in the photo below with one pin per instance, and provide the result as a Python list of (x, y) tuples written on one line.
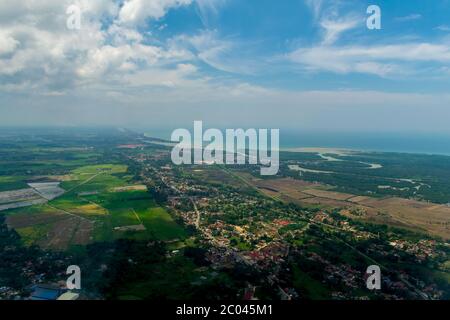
[(19, 198), (47, 190)]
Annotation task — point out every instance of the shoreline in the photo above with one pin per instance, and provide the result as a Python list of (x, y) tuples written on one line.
[(352, 151)]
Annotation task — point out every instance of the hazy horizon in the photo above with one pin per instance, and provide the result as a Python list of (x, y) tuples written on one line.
[(402, 142)]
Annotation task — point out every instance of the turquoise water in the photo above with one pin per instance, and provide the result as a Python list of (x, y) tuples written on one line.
[(385, 142)]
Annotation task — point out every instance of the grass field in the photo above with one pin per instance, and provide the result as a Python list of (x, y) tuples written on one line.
[(33, 234), (112, 209), (8, 183), (160, 284), (133, 208), (215, 175), (309, 286), (96, 178)]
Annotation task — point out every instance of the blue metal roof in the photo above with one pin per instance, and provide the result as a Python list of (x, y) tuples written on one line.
[(43, 293)]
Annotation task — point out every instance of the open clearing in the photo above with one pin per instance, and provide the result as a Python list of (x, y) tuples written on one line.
[(216, 175), (428, 216), (17, 195), (49, 227), (130, 188), (329, 194), (47, 190), (138, 227), (283, 188), (134, 211), (19, 198), (38, 193)]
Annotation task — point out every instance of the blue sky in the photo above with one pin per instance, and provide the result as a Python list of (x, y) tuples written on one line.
[(298, 64), (260, 34)]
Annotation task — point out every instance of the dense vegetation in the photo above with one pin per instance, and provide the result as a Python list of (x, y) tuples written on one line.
[(430, 174)]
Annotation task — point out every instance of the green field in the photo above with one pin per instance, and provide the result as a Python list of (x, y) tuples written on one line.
[(8, 183), (133, 208), (96, 178), (309, 286), (91, 195), (33, 234), (155, 282)]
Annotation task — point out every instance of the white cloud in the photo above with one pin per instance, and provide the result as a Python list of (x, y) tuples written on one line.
[(316, 6), (209, 9), (211, 49), (7, 43), (382, 60), (411, 17), (179, 77), (444, 28), (224, 54), (335, 27), (38, 52), (326, 14), (135, 12)]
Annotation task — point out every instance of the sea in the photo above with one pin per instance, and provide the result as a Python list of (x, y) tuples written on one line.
[(419, 143), (402, 142)]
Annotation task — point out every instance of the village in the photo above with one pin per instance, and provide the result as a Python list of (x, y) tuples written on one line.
[(244, 228)]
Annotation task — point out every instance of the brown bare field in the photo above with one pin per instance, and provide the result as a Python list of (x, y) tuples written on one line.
[(60, 235), (288, 183), (137, 227), (91, 209), (131, 188), (286, 187), (414, 215), (377, 216), (66, 232), (329, 194), (66, 177), (428, 216), (83, 234), (61, 229), (213, 174), (358, 199), (326, 202), (22, 221), (18, 195)]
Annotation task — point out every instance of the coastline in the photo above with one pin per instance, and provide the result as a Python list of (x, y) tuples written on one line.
[(352, 151)]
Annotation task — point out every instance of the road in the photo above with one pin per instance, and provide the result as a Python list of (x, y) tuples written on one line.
[(197, 221)]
